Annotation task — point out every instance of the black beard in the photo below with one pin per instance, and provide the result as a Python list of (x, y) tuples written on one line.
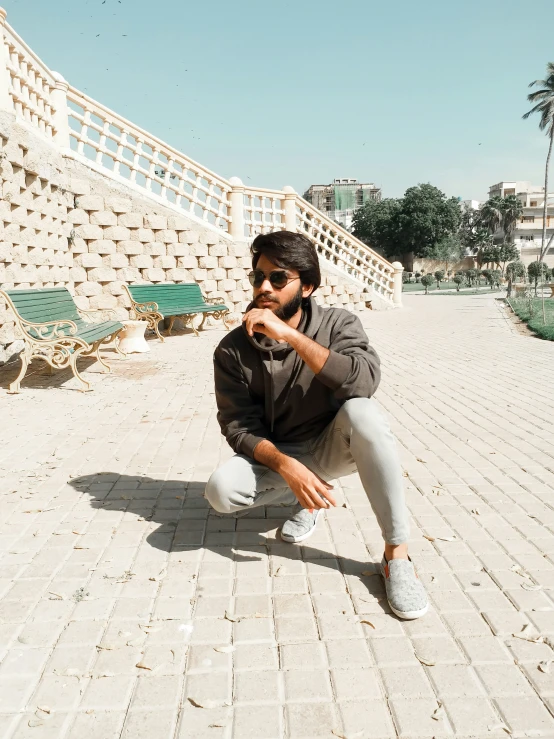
[(287, 311)]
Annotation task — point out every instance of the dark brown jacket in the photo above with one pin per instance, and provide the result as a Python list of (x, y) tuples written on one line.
[(264, 390)]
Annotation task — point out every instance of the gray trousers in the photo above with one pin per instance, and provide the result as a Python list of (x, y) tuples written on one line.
[(359, 439)]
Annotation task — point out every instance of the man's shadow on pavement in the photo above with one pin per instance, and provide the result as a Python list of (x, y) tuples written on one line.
[(187, 523)]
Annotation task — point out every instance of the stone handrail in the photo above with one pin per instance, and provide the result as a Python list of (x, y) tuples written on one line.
[(105, 141), (121, 149), (264, 211), (28, 85), (339, 247)]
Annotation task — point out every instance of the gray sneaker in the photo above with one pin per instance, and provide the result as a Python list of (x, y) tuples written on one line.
[(405, 593), (300, 526)]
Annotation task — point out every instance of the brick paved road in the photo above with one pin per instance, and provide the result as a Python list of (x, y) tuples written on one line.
[(115, 581)]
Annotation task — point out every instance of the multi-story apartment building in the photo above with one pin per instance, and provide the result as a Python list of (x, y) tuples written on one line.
[(340, 199), (528, 233)]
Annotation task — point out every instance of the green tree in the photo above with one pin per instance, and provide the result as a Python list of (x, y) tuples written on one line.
[(458, 279), (499, 254), (427, 281), (499, 213), (426, 216), (473, 234), (538, 271), (490, 215), (511, 213), (448, 250), (496, 276), (543, 103), (487, 274), (417, 276), (515, 271), (414, 223), (471, 276), (507, 252), (489, 254), (376, 223)]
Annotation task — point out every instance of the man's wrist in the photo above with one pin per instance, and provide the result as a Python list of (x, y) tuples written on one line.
[(283, 464), (292, 335)]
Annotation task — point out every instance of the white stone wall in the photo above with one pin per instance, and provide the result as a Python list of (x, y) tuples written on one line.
[(64, 224)]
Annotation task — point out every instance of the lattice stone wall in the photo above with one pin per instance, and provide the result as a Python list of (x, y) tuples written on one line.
[(63, 224)]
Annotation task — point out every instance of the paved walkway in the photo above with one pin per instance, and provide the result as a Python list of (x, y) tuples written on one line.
[(128, 611)]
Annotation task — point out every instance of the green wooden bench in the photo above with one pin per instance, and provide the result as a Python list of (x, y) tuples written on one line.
[(184, 300), (56, 330)]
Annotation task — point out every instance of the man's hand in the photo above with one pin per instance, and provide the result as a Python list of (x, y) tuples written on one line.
[(311, 491), (264, 321)]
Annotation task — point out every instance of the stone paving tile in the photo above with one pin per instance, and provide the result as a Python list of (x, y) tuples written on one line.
[(110, 557)]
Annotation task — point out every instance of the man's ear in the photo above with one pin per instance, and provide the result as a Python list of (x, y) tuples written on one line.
[(307, 290)]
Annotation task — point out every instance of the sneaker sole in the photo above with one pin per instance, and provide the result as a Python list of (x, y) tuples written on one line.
[(410, 615), (303, 537)]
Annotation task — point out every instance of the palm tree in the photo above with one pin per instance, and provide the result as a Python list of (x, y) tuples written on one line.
[(491, 214), (543, 100), (511, 213)]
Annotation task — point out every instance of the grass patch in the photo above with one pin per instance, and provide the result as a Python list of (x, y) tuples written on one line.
[(529, 310), (417, 287), (470, 291)]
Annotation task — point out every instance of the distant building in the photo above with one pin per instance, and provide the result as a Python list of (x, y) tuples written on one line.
[(528, 233), (340, 199), (470, 204)]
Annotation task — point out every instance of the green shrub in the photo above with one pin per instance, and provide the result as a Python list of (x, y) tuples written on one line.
[(427, 281), (439, 277), (538, 271)]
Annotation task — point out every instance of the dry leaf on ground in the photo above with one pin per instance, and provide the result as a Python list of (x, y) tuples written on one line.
[(231, 617), (438, 712), (369, 573), (425, 661), (344, 735), (527, 635), (205, 703), (545, 665), (530, 586), (225, 650), (495, 727), (142, 666), (429, 538), (365, 621)]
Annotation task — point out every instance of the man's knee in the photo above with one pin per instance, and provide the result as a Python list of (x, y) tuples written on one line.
[(218, 492), (363, 414)]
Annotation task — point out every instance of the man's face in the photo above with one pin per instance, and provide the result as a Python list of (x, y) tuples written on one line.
[(284, 302)]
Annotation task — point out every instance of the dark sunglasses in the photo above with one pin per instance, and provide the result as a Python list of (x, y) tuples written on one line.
[(278, 278)]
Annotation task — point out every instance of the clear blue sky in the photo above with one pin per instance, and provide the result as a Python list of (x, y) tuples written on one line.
[(303, 91)]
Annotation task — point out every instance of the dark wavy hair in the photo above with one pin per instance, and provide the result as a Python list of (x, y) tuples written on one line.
[(289, 250)]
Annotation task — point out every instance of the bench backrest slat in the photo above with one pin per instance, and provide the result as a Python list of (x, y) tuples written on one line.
[(182, 295), (44, 305)]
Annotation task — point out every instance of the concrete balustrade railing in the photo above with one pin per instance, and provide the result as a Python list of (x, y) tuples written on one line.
[(105, 141)]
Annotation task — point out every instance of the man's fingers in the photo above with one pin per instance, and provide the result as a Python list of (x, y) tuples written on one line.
[(327, 496), (311, 501)]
